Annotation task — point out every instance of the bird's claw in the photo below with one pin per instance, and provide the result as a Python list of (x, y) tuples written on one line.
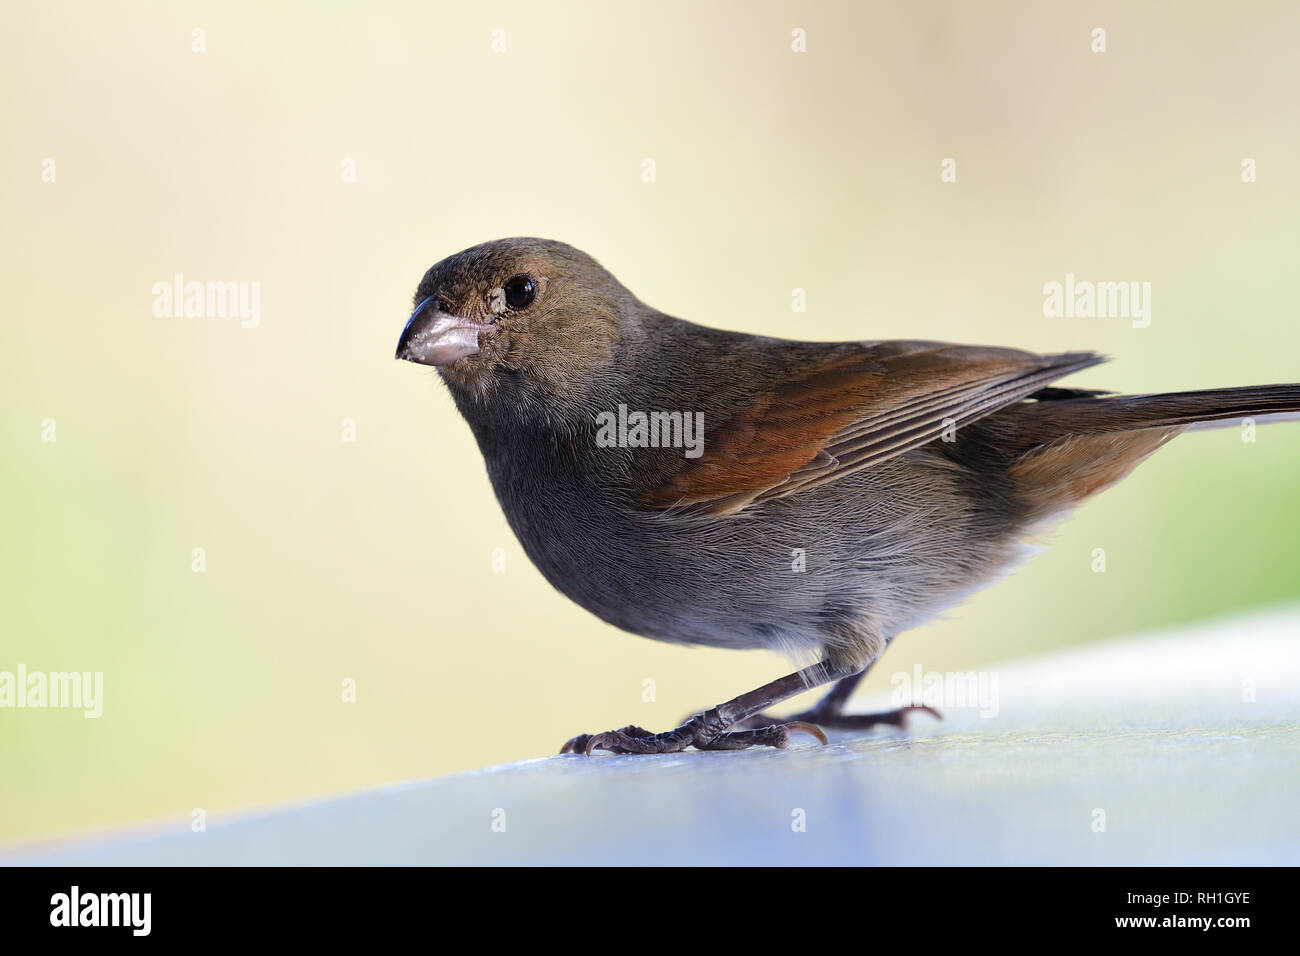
[(904, 711), (636, 740), (586, 743), (802, 726), (837, 720)]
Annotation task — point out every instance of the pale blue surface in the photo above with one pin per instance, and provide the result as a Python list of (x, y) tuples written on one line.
[(1155, 732)]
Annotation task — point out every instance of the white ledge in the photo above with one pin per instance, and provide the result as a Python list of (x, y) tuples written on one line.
[(1156, 732)]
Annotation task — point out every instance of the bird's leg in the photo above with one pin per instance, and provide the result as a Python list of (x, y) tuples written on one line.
[(712, 730), (829, 711)]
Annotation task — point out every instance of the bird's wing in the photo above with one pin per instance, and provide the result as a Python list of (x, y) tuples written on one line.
[(847, 411)]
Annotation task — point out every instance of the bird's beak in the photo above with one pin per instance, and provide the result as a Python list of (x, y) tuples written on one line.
[(432, 337)]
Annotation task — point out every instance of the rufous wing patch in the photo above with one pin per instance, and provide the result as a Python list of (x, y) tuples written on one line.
[(786, 429), (848, 411)]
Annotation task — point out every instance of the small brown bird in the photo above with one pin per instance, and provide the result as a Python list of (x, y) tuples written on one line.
[(661, 473)]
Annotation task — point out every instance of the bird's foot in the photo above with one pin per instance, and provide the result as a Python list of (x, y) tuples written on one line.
[(836, 720), (703, 731)]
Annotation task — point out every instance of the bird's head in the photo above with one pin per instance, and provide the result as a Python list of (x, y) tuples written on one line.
[(513, 314)]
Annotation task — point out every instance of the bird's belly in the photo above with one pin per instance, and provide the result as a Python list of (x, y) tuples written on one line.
[(790, 574), (655, 580)]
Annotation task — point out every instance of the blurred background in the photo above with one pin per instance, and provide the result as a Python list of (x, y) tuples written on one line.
[(332, 153)]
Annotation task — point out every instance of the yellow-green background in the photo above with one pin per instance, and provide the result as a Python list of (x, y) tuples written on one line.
[(775, 170)]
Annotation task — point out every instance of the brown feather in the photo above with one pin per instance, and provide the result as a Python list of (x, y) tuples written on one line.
[(849, 412), (1059, 476)]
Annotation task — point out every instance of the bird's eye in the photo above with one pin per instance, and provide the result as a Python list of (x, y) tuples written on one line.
[(520, 291)]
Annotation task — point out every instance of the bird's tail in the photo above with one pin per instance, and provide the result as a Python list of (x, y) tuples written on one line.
[(1068, 448), (1092, 414)]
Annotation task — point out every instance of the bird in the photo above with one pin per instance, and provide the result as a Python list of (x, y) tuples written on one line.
[(662, 473)]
